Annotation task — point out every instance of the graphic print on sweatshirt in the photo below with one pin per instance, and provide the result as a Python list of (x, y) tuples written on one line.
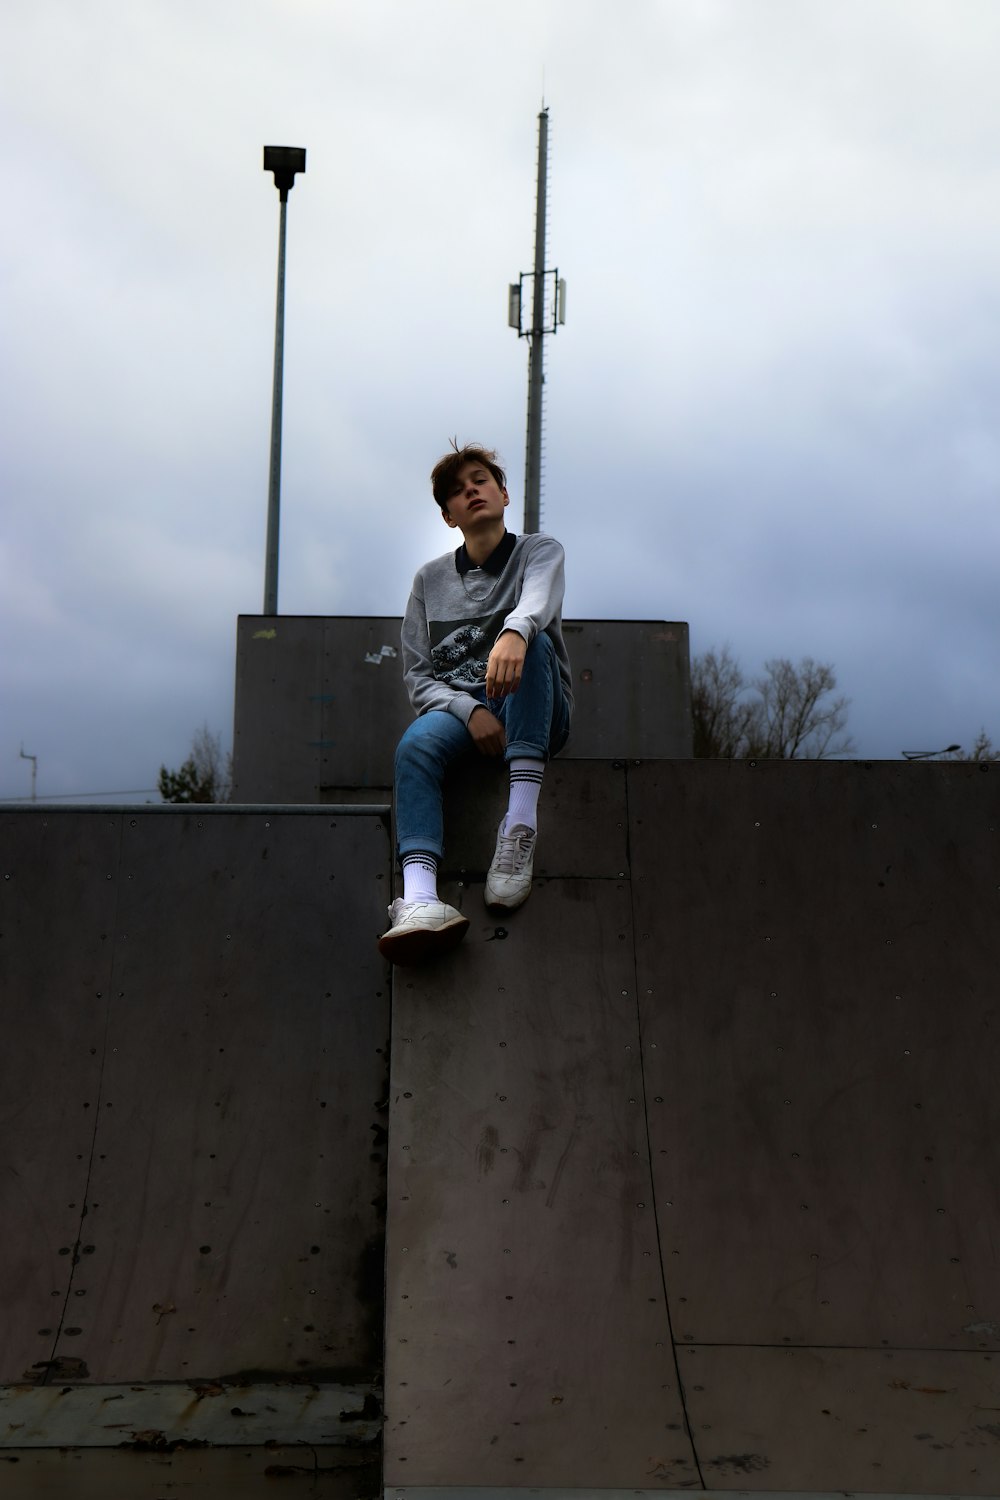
[(460, 648)]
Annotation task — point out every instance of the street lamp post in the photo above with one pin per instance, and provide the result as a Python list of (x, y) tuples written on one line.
[(284, 162), (929, 754), (34, 771)]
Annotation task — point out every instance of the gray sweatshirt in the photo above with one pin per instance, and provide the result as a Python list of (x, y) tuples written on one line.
[(456, 611)]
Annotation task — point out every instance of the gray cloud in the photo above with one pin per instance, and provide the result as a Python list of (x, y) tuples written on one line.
[(772, 411)]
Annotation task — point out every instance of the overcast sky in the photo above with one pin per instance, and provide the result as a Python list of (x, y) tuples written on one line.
[(774, 410)]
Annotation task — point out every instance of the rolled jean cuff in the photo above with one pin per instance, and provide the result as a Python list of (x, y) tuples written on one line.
[(524, 750), (421, 844)]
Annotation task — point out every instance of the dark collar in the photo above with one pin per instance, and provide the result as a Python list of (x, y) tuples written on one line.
[(495, 563)]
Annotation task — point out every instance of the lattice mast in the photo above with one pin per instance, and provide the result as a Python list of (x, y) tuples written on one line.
[(544, 320)]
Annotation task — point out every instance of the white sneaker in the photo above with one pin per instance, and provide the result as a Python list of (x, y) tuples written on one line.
[(420, 930), (508, 883)]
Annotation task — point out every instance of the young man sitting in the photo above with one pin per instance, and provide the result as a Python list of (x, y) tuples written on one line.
[(486, 669)]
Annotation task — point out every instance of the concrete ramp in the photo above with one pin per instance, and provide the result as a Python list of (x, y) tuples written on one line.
[(694, 1166)]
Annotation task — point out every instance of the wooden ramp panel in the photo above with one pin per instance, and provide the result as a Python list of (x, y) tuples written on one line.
[(527, 1336), (58, 897), (806, 958), (818, 962), (195, 1114)]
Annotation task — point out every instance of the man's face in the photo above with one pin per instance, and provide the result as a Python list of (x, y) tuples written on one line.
[(476, 498)]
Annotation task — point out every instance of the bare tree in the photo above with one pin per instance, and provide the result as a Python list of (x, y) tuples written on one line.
[(206, 775), (800, 725), (724, 721), (982, 749), (786, 713)]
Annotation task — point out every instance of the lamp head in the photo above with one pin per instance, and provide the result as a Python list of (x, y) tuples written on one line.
[(284, 162)]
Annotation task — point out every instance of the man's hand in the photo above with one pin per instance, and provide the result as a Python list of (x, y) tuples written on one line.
[(487, 732), (503, 669)]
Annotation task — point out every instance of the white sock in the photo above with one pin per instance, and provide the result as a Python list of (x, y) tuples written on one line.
[(419, 876), (525, 785)]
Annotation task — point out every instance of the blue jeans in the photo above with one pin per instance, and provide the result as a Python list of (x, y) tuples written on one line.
[(536, 722)]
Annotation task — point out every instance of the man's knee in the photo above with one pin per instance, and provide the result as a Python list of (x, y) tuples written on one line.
[(541, 648), (435, 736)]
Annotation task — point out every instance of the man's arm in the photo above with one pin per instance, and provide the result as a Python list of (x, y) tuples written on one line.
[(539, 601), (426, 692)]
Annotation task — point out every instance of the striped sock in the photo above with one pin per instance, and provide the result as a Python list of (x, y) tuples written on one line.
[(525, 784), (419, 876)]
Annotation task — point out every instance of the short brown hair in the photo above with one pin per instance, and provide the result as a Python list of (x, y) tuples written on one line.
[(445, 471)]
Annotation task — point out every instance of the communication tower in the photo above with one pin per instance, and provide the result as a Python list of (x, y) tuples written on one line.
[(548, 310)]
